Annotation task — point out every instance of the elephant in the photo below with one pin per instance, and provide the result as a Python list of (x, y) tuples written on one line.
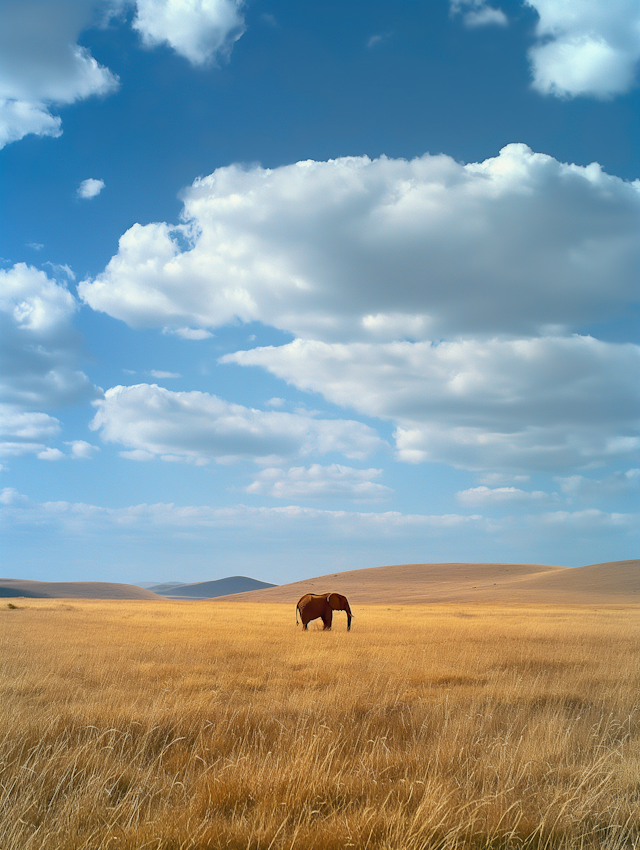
[(314, 605)]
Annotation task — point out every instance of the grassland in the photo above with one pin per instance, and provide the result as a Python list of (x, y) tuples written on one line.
[(211, 725)]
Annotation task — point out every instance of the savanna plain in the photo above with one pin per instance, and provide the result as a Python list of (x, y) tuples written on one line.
[(214, 725)]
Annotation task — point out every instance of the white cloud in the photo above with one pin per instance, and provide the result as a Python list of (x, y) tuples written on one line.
[(25, 432), (188, 333), (357, 249), (493, 479), (478, 13), (61, 269), (39, 346), (547, 403), (198, 426), (90, 188), (39, 353), (43, 66), (200, 30), (618, 484), (158, 516), (319, 482), (488, 496), (163, 375), (10, 496), (137, 454), (50, 454), (586, 47), (82, 450), (281, 538)]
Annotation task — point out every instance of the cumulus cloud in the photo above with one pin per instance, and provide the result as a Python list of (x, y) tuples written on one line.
[(25, 432), (82, 450), (320, 482), (490, 496), (195, 426), (368, 261), (90, 188), (545, 403), (42, 65), (39, 347), (478, 13), (200, 30), (50, 454), (357, 249), (585, 47), (39, 353)]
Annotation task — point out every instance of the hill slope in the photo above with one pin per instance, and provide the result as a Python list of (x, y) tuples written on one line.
[(211, 589), (12, 587), (616, 582)]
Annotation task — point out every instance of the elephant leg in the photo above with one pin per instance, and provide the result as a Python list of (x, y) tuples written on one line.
[(327, 619)]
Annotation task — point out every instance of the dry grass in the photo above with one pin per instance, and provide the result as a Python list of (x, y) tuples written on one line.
[(178, 726)]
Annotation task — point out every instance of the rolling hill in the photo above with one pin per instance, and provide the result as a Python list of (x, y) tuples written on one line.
[(615, 582), (210, 589), (12, 587)]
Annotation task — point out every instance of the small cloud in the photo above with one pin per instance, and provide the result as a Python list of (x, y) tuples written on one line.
[(61, 270), (378, 38), (82, 450), (318, 482), (501, 495), (477, 13), (276, 402), (618, 484), (486, 16), (188, 333), (156, 374), (90, 188), (270, 19), (50, 454), (137, 454), (10, 496), (129, 371), (35, 246), (494, 479)]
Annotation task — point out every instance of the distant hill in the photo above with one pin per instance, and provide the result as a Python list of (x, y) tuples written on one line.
[(210, 589), (610, 583), (161, 588), (12, 587), (614, 582)]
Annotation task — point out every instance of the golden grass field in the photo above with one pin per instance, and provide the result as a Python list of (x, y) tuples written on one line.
[(211, 725)]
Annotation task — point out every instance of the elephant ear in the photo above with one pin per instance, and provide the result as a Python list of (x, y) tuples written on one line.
[(335, 600)]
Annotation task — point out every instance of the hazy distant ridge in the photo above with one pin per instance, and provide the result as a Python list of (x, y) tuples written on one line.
[(211, 589), (11, 587)]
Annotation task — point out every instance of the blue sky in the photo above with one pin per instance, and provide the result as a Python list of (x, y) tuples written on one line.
[(288, 289)]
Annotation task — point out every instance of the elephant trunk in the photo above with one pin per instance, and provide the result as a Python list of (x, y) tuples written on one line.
[(349, 616)]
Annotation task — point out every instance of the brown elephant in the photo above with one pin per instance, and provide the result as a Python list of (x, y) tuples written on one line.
[(322, 605)]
